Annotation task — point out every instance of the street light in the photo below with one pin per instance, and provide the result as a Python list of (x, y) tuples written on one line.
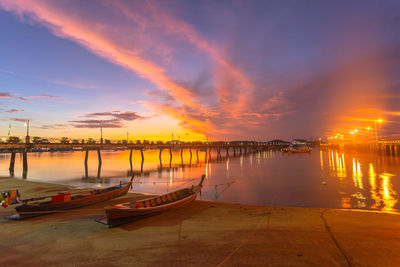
[(101, 135), (376, 131), (27, 139)]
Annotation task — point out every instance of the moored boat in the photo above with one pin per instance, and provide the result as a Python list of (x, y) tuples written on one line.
[(306, 150), (129, 211), (65, 201)]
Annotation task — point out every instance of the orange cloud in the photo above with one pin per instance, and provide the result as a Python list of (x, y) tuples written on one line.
[(233, 99), (95, 38)]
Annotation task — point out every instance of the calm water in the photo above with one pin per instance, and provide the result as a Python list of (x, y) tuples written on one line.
[(331, 179)]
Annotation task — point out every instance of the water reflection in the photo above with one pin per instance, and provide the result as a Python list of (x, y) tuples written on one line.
[(374, 191), (351, 179), (372, 182), (387, 192)]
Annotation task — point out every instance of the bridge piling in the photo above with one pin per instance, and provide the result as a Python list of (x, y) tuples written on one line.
[(100, 163), (86, 163), (130, 160), (24, 164), (159, 157), (141, 165), (182, 156), (12, 163)]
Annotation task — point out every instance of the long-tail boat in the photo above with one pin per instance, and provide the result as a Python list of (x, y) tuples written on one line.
[(64, 201), (129, 211), (300, 151)]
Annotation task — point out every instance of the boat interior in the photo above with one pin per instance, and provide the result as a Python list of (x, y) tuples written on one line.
[(163, 199)]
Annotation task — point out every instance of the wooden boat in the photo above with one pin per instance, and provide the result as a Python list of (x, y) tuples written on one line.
[(129, 211), (299, 151), (32, 208)]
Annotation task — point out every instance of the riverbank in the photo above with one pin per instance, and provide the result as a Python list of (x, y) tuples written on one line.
[(202, 233)]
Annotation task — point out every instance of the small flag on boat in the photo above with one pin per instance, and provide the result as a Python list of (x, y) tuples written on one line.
[(9, 197)]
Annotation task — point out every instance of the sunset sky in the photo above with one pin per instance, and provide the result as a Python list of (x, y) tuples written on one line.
[(226, 70)]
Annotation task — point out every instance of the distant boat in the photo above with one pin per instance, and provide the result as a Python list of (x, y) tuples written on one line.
[(129, 211), (300, 150), (64, 201)]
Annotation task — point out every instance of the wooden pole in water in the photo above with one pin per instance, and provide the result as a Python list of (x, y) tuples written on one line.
[(227, 152), (141, 165), (100, 163), (130, 160), (25, 164), (159, 156), (99, 157), (12, 163), (182, 156), (197, 154), (170, 158), (86, 163)]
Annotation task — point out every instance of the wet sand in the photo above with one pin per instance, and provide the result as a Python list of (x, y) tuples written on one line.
[(201, 234)]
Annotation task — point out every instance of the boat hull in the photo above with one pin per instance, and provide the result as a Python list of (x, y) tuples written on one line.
[(122, 213), (30, 210), (299, 151)]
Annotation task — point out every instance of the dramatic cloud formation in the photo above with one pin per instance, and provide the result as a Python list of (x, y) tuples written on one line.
[(248, 70)]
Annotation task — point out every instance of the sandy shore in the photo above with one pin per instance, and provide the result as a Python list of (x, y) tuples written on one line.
[(201, 234)]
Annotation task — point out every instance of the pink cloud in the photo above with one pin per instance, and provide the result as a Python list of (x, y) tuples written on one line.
[(234, 88), (45, 96), (24, 99), (13, 110), (6, 95)]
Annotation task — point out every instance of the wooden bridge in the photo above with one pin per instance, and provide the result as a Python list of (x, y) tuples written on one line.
[(237, 148)]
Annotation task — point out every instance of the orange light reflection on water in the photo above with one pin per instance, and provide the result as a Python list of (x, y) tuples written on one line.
[(380, 190), (372, 182), (387, 192)]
